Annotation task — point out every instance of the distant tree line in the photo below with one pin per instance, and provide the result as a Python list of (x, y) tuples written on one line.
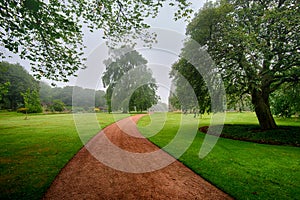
[(17, 81), (83, 98), (19, 90)]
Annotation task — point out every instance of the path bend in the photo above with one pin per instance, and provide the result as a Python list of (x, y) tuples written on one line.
[(84, 177)]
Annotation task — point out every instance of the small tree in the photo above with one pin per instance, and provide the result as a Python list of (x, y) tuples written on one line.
[(32, 102)]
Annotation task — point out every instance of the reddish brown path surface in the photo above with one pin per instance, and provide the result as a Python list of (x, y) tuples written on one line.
[(84, 177)]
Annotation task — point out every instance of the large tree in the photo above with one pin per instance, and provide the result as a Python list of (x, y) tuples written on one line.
[(49, 33), (128, 80), (255, 45)]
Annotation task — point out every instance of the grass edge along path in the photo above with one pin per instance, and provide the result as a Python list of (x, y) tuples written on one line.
[(244, 170), (33, 151)]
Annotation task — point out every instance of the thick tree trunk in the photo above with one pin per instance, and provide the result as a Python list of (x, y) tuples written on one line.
[(263, 112)]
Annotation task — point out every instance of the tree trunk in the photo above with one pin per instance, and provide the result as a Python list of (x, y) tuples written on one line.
[(262, 110)]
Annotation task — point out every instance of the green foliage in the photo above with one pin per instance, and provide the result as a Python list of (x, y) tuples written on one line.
[(3, 89), (184, 74), (285, 101), (143, 98), (283, 135), (50, 36), (144, 86), (20, 80), (173, 100), (46, 93), (82, 98), (240, 103), (86, 97), (126, 73), (57, 105), (32, 101), (255, 44)]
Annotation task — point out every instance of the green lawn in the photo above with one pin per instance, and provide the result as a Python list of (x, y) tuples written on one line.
[(245, 170), (33, 151)]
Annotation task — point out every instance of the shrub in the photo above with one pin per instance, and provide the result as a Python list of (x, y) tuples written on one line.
[(58, 106), (22, 110), (97, 109)]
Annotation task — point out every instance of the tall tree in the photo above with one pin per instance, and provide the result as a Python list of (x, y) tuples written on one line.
[(255, 45), (49, 33), (126, 74)]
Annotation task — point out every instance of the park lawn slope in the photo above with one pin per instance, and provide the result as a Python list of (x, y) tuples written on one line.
[(245, 170)]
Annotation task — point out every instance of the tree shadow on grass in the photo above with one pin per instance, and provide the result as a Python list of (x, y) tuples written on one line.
[(283, 135)]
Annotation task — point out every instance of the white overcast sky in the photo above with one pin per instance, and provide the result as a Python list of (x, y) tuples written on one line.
[(158, 61)]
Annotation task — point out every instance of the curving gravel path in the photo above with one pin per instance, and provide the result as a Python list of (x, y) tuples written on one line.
[(84, 177)]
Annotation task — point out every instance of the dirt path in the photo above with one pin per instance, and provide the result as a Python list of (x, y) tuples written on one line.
[(84, 177)]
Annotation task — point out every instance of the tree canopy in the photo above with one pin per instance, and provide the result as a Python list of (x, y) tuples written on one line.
[(3, 89), (49, 33), (285, 100), (49, 95), (32, 102), (255, 45), (144, 96), (128, 80), (184, 74)]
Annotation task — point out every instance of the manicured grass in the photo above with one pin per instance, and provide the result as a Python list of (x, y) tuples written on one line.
[(33, 151), (245, 170)]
